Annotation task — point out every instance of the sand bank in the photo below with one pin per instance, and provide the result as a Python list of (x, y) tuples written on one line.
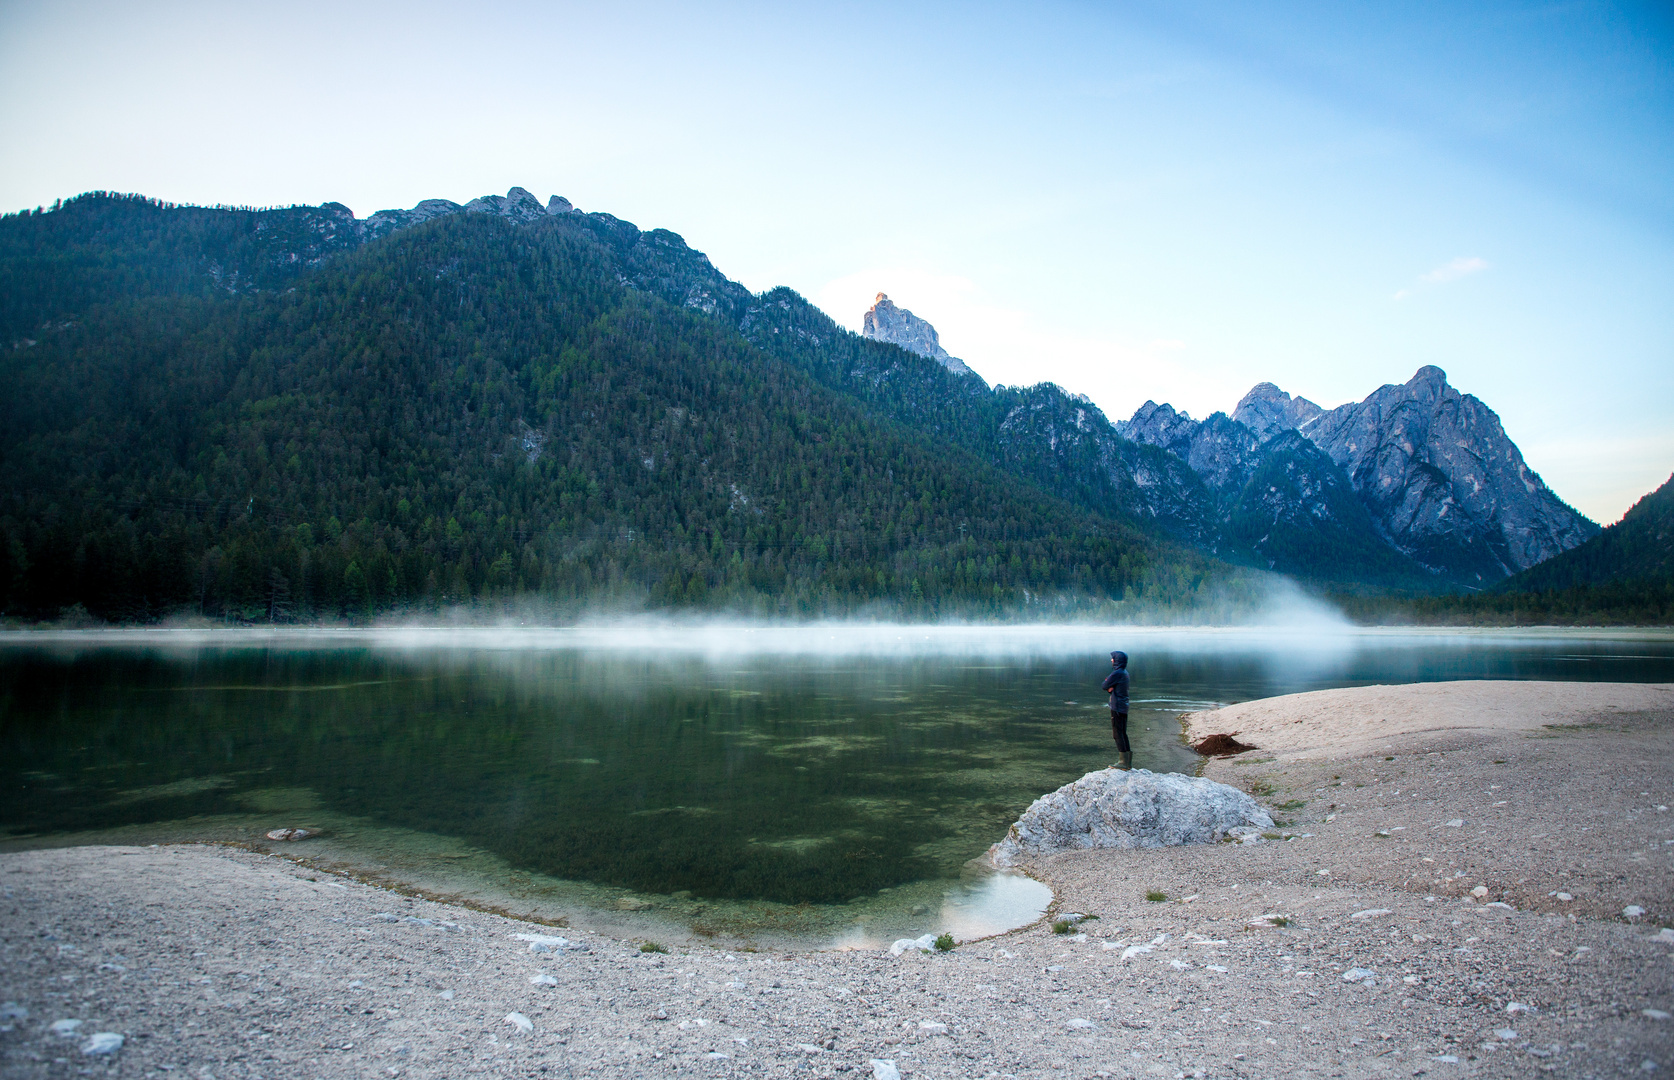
[(1359, 720), (1449, 903)]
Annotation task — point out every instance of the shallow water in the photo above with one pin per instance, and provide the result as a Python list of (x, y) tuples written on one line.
[(752, 784)]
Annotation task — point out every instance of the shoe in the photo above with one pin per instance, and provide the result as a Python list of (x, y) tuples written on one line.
[(1124, 761)]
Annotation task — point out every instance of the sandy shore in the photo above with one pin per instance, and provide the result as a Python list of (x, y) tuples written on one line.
[(1356, 948)]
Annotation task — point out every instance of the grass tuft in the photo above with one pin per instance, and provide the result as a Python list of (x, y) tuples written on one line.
[(944, 943), (1156, 897), (651, 946)]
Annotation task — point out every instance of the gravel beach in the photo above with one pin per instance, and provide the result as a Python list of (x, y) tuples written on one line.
[(1441, 896)]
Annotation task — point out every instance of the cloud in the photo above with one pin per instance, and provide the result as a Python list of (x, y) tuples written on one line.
[(1452, 270)]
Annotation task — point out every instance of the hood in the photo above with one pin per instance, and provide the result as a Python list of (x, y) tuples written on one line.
[(1121, 659)]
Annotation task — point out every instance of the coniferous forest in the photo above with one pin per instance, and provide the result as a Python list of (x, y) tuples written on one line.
[(291, 415), (237, 415)]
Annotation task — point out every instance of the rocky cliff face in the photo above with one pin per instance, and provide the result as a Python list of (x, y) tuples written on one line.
[(1437, 477), (898, 326), (1266, 410), (1444, 482)]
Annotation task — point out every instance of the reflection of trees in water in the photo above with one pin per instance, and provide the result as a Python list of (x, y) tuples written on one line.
[(795, 781)]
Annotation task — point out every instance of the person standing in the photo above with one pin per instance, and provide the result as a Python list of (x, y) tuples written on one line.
[(1116, 685)]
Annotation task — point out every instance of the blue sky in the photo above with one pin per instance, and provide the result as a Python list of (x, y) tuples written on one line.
[(1141, 200)]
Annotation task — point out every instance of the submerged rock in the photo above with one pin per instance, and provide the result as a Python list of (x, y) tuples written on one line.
[(1137, 809)]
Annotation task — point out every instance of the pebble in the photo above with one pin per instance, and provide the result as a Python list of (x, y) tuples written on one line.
[(1358, 974), (1371, 913), (289, 834), (1080, 1024), (1632, 911), (1515, 1007), (1653, 1014), (1505, 1034), (520, 1022), (1480, 891), (542, 980), (884, 1069), (65, 1028), (1456, 823), (932, 1027), (104, 1042), (1565, 897)]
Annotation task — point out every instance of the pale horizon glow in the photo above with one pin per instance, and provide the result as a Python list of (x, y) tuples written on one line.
[(1145, 201)]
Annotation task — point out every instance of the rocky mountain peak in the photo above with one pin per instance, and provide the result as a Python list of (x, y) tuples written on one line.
[(1267, 410), (1433, 467), (898, 326)]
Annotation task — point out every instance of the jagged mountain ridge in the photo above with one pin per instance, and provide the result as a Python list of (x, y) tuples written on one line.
[(1439, 478), (884, 321), (1182, 478)]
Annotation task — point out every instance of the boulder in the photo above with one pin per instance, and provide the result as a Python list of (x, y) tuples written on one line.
[(1137, 809)]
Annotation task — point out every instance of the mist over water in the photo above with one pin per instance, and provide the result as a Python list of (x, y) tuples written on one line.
[(823, 782)]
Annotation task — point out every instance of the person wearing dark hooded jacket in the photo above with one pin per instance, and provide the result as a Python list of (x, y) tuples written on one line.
[(1116, 685)]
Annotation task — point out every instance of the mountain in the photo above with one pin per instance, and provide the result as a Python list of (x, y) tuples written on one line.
[(291, 413), (1440, 481), (182, 310), (1639, 549), (884, 321)]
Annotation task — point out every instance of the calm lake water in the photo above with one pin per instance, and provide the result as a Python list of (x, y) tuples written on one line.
[(750, 784)]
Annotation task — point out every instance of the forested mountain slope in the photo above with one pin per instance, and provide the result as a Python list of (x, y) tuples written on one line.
[(284, 414)]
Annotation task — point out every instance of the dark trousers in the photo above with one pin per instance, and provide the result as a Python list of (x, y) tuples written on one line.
[(1119, 729)]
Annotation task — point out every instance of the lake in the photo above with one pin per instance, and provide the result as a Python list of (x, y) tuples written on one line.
[(754, 785)]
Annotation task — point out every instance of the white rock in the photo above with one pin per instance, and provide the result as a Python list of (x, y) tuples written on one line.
[(1446, 1059), (542, 980), (1665, 936), (1515, 1007), (1653, 1014), (1371, 912), (1456, 823), (883, 1069), (103, 1042), (927, 942), (543, 942), (810, 1048), (1137, 809), (1480, 891), (1505, 1034), (932, 1027), (1502, 905), (1218, 969), (11, 1010), (1358, 974), (520, 1022), (1632, 911), (1565, 897), (65, 1028), (1080, 1024), (446, 995)]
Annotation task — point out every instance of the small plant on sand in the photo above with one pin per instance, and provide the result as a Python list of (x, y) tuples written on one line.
[(1062, 926), (1281, 920), (651, 946), (1294, 804), (1261, 789), (1156, 897), (944, 943)]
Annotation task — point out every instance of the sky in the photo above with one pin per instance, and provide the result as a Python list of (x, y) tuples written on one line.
[(1133, 200)]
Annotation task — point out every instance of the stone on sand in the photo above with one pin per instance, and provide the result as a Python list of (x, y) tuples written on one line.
[(1138, 809)]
